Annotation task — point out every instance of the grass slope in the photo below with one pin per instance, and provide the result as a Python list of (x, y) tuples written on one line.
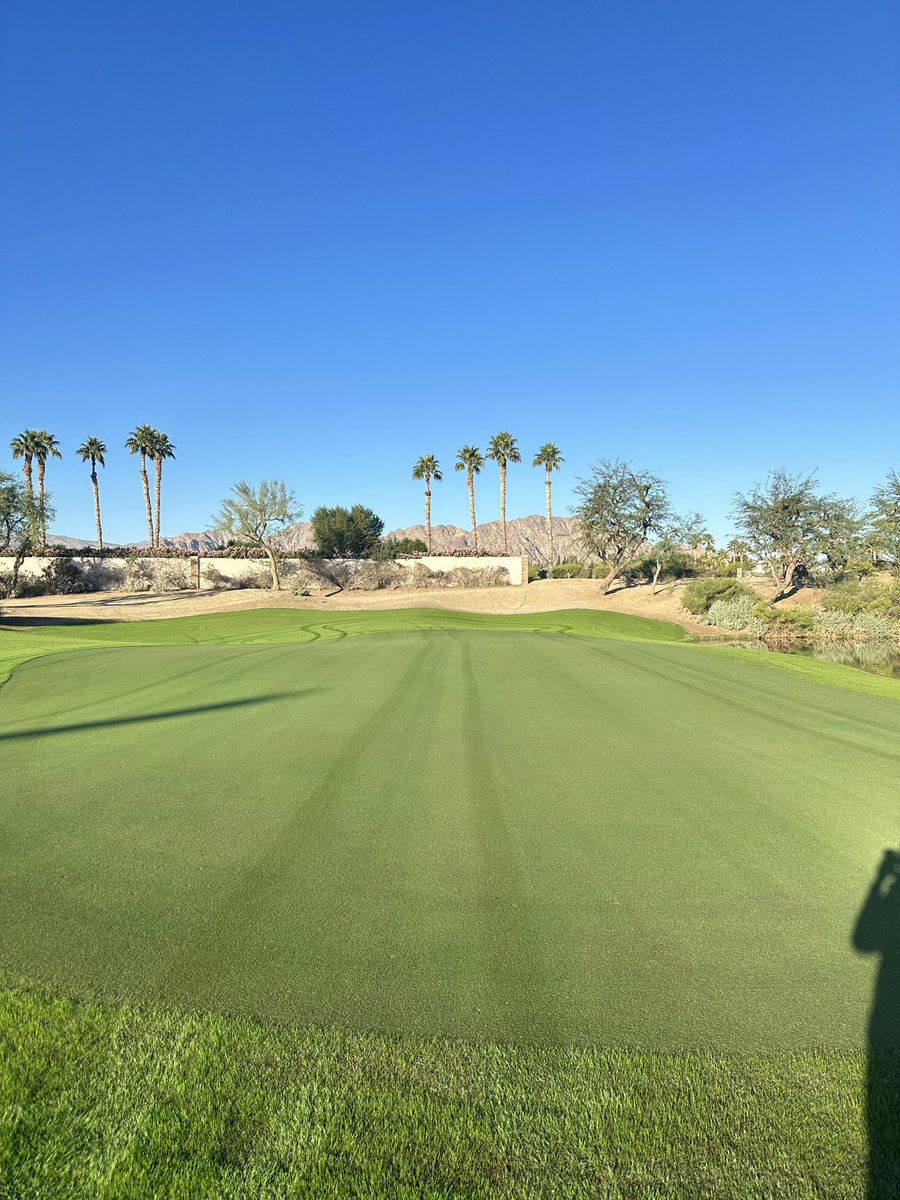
[(612, 840)]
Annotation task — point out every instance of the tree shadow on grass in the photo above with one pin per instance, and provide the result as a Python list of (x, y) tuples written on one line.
[(223, 706), (877, 931), (13, 622)]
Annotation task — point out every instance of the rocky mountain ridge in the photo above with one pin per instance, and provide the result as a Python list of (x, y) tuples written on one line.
[(526, 537)]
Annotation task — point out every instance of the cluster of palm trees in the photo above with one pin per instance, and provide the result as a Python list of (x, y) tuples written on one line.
[(503, 450), (37, 445)]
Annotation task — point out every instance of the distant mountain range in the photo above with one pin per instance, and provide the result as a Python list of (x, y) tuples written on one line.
[(526, 536)]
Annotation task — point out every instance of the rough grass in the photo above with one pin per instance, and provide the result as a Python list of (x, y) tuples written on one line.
[(123, 1102), (531, 846)]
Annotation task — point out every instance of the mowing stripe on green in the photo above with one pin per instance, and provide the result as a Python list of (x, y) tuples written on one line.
[(534, 838)]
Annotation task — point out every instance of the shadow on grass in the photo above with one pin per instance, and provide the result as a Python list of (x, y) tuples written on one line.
[(224, 706), (877, 931), (12, 622)]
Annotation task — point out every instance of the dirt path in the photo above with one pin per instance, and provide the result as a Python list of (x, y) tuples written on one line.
[(546, 595)]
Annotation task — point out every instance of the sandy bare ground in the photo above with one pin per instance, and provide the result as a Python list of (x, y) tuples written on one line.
[(546, 595)]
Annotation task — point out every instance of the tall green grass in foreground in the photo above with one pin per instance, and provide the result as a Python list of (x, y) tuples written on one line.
[(123, 1102)]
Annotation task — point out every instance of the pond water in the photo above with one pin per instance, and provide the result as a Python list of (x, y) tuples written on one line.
[(877, 657)]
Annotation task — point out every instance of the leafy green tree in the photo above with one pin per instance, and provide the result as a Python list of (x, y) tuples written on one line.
[(619, 512), (141, 441), (885, 518), (26, 446), (346, 532), (502, 449), (471, 460), (550, 458), (841, 538), (255, 516), (161, 449), (790, 526), (15, 511), (668, 550), (427, 468), (93, 450), (48, 447)]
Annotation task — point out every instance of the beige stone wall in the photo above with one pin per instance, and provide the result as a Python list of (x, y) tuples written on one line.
[(236, 568)]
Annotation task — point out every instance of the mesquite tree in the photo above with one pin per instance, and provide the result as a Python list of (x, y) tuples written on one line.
[(256, 516), (620, 511)]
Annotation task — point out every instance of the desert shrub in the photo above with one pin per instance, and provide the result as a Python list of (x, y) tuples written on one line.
[(569, 570), (465, 577), (171, 576), (215, 578), (374, 576), (477, 577), (419, 576), (875, 627), (138, 574), (734, 613), (701, 593), (536, 571), (63, 577), (832, 624), (792, 620), (103, 576), (26, 586), (599, 570)]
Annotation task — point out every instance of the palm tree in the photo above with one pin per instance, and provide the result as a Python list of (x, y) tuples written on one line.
[(140, 441), (48, 447), (26, 446), (92, 448), (550, 459), (502, 449), (162, 448), (471, 460), (427, 468)]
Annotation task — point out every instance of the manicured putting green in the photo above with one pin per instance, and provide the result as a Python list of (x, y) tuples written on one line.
[(465, 831)]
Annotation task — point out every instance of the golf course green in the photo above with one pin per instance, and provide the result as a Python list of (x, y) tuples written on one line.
[(461, 831), (552, 833)]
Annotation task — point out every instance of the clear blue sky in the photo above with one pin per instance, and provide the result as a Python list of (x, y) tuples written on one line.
[(313, 241)]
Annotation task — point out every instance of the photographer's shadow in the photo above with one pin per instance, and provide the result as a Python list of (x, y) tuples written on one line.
[(877, 931)]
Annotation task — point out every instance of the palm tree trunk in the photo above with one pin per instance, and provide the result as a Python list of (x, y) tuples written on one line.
[(146, 485), (472, 511), (96, 487), (503, 505), (42, 516), (549, 522), (158, 464), (428, 513), (29, 491)]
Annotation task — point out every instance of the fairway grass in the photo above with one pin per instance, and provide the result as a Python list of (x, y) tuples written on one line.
[(524, 905)]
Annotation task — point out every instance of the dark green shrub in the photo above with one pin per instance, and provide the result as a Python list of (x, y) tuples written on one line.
[(569, 570), (63, 577), (797, 620), (391, 548), (701, 593)]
